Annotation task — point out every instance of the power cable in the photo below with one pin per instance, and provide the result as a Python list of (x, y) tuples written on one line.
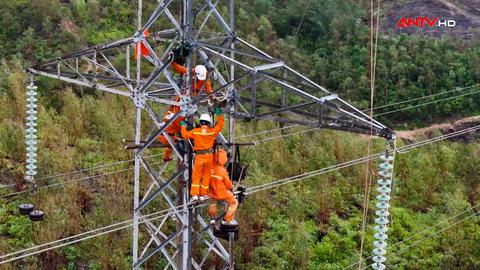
[(266, 131), (89, 234), (349, 163), (426, 103), (63, 183), (424, 97), (83, 170), (68, 182), (284, 136), (436, 233), (249, 191), (384, 113)]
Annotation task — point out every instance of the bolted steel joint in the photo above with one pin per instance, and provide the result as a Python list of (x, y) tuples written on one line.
[(186, 106), (138, 99)]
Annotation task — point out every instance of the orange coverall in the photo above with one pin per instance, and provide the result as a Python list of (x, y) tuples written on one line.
[(220, 186), (196, 84), (171, 130), (203, 139)]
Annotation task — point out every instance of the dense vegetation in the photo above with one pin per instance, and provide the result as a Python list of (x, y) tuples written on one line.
[(314, 224)]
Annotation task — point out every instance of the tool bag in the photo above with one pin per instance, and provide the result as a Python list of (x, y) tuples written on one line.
[(236, 170), (181, 52)]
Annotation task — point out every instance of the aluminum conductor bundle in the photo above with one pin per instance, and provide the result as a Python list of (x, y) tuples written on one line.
[(384, 184), (31, 132)]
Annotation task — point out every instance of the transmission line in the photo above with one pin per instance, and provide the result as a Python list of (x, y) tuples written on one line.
[(273, 184), (424, 231), (74, 180), (88, 235), (424, 97), (64, 183), (306, 130), (426, 103), (354, 162)]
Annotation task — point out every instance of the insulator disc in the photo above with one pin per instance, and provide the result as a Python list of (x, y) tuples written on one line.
[(384, 182), (36, 215), (382, 205), (385, 158), (379, 259), (381, 228), (385, 174), (384, 189), (381, 221), (378, 266), (25, 208), (382, 213), (380, 236), (379, 251), (382, 197), (380, 244), (385, 166)]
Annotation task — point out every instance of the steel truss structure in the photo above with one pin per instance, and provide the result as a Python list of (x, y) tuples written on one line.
[(254, 85)]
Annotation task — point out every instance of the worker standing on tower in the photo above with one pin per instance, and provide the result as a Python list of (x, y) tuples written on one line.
[(203, 140), (221, 190)]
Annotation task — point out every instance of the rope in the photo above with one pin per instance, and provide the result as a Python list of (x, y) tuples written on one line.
[(88, 235), (303, 17), (424, 231), (368, 180)]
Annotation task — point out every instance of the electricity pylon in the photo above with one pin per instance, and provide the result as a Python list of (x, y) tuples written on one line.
[(254, 85)]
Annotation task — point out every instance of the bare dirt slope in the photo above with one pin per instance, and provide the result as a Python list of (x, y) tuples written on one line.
[(446, 128)]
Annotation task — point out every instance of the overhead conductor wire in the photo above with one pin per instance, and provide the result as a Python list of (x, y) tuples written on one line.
[(111, 228)]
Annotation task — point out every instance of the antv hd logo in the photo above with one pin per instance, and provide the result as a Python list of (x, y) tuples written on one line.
[(422, 22)]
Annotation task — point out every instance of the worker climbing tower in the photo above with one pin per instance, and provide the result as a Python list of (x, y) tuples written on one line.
[(248, 82)]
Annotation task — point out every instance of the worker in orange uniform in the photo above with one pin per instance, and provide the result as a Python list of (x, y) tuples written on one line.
[(172, 131), (203, 140), (220, 190), (199, 80)]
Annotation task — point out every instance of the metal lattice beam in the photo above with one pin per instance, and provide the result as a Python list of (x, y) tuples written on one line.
[(256, 86)]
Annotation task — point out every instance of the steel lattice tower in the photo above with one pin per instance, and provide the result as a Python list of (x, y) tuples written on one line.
[(255, 86)]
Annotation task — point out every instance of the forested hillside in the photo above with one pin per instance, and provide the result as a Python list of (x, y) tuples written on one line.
[(314, 224)]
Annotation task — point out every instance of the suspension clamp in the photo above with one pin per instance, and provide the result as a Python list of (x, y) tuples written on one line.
[(241, 194)]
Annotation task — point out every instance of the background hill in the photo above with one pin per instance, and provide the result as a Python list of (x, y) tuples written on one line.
[(314, 224)]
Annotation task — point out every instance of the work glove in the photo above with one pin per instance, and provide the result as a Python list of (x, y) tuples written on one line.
[(182, 123), (217, 111)]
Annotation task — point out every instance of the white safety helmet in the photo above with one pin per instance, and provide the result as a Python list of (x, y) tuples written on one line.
[(206, 117), (201, 72), (168, 116)]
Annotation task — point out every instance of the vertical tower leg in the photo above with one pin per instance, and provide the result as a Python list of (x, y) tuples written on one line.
[(136, 169), (231, 239), (136, 188), (231, 120)]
